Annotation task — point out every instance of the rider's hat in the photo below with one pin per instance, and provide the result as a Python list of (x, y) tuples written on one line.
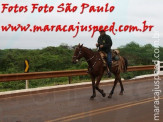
[(101, 30)]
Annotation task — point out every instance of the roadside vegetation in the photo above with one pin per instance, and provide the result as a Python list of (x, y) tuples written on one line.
[(60, 58)]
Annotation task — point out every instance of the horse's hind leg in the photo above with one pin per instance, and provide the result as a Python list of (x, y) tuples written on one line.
[(97, 86), (122, 89), (93, 87)]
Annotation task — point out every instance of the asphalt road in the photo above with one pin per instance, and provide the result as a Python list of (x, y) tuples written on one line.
[(136, 105)]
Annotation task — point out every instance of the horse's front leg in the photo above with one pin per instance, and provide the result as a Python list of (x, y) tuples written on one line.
[(97, 86), (93, 87), (112, 91)]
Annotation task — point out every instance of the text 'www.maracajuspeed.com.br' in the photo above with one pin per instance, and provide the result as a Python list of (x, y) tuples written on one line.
[(76, 28)]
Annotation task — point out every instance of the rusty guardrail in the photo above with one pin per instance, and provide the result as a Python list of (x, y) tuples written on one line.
[(53, 74)]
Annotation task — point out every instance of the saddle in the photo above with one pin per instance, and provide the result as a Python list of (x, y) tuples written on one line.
[(115, 57), (118, 61)]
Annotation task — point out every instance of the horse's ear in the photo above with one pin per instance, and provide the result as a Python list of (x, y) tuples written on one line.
[(81, 45)]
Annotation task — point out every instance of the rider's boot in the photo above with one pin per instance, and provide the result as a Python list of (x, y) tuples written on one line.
[(108, 72)]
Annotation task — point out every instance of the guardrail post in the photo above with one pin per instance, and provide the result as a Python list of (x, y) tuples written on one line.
[(26, 70), (69, 79), (158, 67), (26, 84), (161, 67)]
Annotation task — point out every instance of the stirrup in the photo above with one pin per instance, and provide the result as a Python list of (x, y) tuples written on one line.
[(109, 74)]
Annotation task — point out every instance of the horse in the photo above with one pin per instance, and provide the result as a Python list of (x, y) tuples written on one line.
[(96, 69)]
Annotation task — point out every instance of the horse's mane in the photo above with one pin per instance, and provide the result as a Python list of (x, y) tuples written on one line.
[(89, 49)]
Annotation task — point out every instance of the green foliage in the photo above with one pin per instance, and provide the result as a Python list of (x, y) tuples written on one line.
[(60, 58), (138, 55)]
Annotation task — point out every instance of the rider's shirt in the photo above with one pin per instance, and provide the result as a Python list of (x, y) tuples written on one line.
[(106, 41)]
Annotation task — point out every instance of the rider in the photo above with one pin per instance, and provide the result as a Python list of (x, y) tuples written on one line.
[(104, 43)]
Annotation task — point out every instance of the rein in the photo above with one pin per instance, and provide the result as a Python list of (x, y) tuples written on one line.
[(90, 58), (80, 52)]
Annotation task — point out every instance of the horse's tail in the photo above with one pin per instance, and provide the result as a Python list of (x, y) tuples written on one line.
[(126, 64)]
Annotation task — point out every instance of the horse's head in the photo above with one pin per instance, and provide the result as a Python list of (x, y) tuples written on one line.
[(78, 54)]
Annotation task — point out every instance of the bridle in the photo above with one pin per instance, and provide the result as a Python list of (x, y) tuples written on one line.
[(80, 52)]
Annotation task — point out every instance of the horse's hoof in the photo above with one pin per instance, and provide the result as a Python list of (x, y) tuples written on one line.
[(110, 96), (121, 93), (103, 94), (92, 97)]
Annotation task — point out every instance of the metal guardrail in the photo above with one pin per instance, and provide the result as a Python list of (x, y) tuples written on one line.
[(160, 67), (161, 62), (53, 74)]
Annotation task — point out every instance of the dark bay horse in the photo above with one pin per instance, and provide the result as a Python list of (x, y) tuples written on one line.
[(96, 68)]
